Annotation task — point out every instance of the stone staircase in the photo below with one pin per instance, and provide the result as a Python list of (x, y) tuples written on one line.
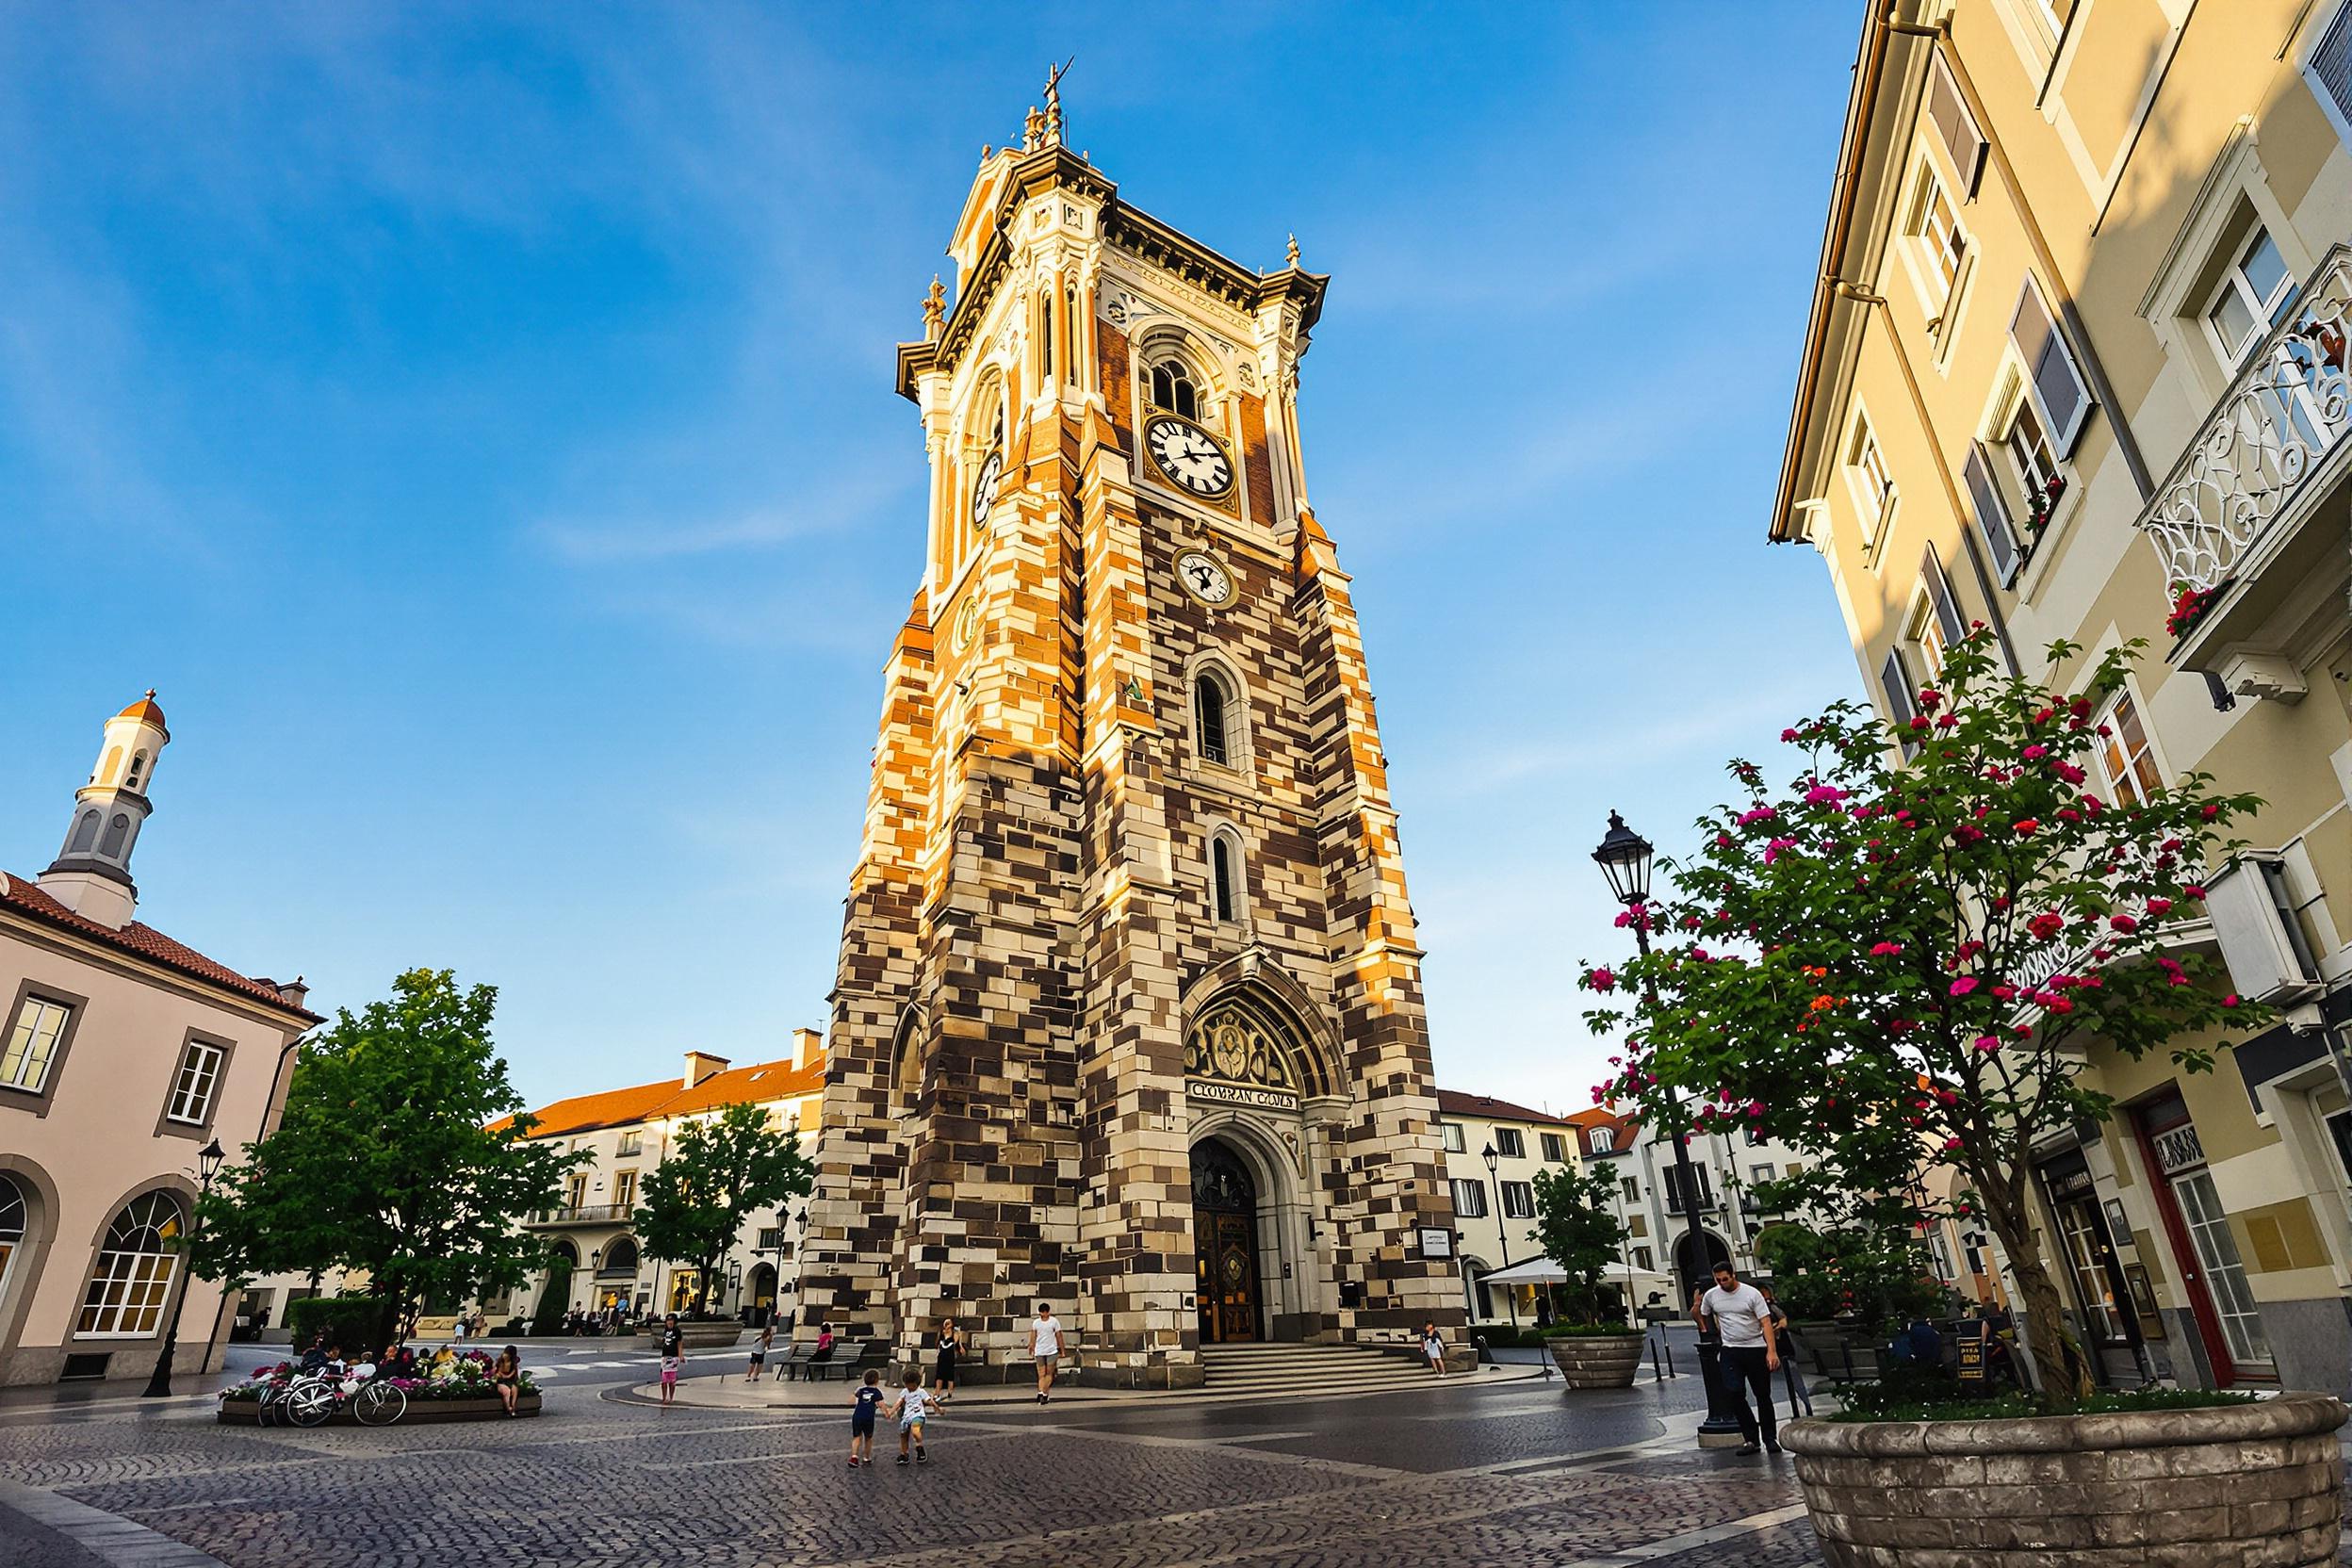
[(1270, 1371)]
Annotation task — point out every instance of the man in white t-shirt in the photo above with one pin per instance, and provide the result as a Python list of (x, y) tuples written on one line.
[(1045, 1349), (1750, 1354)]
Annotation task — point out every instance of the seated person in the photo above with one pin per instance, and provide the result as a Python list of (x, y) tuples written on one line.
[(315, 1357)]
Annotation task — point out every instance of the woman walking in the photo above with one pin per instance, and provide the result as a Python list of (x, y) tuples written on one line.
[(943, 1371)]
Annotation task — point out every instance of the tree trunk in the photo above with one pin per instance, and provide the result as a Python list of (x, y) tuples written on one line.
[(2064, 1369)]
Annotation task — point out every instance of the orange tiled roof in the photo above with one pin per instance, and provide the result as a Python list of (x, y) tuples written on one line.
[(146, 711), (1455, 1102), (25, 897), (745, 1086)]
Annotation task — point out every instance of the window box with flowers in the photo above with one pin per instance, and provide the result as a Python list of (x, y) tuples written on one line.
[(2189, 605)]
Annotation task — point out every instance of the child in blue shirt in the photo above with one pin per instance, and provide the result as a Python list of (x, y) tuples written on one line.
[(861, 1421)]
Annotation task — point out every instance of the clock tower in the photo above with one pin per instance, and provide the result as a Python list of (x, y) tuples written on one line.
[(1128, 1017)]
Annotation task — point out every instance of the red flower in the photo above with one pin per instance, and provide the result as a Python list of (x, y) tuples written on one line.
[(2026, 828)]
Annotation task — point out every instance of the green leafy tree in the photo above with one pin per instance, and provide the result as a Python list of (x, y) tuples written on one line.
[(1576, 1225), (401, 1152), (1903, 964), (717, 1172)]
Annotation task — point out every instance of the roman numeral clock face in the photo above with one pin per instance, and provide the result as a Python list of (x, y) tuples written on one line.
[(1188, 455)]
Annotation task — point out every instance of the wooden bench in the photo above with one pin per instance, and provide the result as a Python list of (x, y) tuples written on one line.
[(874, 1353)]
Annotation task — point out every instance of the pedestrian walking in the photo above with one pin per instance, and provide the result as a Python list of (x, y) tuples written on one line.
[(1785, 1339), (943, 1371), (1748, 1353), (861, 1414), (1045, 1349), (457, 1330), (912, 1405), (760, 1352), (1434, 1348)]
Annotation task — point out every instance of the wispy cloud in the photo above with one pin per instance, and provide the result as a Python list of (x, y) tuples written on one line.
[(1600, 750), (848, 501)]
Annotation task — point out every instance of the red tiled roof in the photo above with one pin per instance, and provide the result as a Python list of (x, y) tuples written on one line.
[(23, 896), (1455, 1102), (756, 1084), (1626, 1130)]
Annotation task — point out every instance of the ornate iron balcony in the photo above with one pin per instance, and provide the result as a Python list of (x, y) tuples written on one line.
[(2282, 416)]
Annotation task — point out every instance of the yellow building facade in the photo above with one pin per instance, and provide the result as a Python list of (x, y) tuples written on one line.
[(2075, 367)]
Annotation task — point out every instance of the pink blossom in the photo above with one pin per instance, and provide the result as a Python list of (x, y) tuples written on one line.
[(2026, 827), (2229, 1001), (1885, 950), (1751, 817), (1919, 722), (1931, 698), (1774, 847), (1755, 1107), (2124, 924), (1988, 1042), (2068, 771), (2034, 754), (2211, 812), (1605, 980), (1963, 985), (2197, 894), (2159, 905), (1951, 1146), (1947, 720), (1823, 795)]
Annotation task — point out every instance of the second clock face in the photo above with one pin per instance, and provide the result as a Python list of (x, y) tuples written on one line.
[(1204, 578), (1188, 455), (983, 490)]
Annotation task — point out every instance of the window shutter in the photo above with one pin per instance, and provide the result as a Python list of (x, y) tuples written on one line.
[(2050, 368), (1901, 707), (1948, 112), (1992, 516), (1940, 595), (2331, 64)]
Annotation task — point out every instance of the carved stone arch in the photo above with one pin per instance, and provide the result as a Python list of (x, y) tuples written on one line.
[(1225, 870), (1166, 341), (907, 1060), (33, 1250), (1260, 997)]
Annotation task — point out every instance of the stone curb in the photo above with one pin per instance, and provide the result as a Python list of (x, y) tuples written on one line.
[(109, 1537)]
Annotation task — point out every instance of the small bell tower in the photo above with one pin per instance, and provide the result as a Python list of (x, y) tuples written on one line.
[(91, 875)]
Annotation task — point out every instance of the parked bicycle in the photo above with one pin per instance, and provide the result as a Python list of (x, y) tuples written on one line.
[(312, 1399)]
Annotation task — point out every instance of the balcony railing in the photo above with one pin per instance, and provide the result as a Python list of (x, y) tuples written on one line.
[(584, 1214), (2287, 411)]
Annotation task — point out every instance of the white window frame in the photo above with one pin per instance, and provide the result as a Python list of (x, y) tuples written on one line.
[(1511, 1143), (1469, 1198), (2111, 716), (2062, 433), (196, 1086), (1873, 486), (127, 1285), (1555, 1147), (1449, 1132), (1210, 663), (2265, 313), (1518, 1200), (26, 1024), (1603, 1139), (1938, 263)]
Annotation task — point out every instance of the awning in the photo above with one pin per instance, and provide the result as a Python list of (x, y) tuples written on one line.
[(1542, 1272)]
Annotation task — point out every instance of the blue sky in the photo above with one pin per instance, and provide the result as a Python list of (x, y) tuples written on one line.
[(477, 422)]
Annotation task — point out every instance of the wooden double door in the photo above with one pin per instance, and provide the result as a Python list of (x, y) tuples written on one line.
[(1225, 1245)]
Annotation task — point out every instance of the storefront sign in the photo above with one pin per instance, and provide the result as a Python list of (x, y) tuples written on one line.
[(1436, 1242), (1241, 1094), (1972, 1348), (2073, 1183)]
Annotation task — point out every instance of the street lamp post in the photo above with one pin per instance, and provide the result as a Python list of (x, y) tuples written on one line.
[(1625, 857), (207, 1165), (1502, 1233)]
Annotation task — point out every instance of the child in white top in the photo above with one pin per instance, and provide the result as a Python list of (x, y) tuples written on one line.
[(912, 1405)]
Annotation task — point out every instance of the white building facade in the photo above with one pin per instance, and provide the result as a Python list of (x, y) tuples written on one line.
[(1494, 1206)]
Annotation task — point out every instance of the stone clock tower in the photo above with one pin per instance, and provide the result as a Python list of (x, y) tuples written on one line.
[(1128, 1017)]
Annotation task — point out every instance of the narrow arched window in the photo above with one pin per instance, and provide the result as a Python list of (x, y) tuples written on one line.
[(117, 831), (139, 765), (1208, 711), (1172, 389), (1221, 878), (85, 834), (106, 769)]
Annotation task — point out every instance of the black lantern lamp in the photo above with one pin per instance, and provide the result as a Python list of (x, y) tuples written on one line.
[(1624, 858), (208, 1160)]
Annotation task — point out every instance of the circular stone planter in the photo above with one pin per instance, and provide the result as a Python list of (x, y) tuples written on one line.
[(2229, 1486), (421, 1413), (705, 1335), (1597, 1360)]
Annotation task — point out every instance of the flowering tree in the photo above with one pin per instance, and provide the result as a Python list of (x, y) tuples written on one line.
[(1898, 966)]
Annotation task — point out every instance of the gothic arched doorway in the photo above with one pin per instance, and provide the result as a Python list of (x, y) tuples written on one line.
[(1225, 1243)]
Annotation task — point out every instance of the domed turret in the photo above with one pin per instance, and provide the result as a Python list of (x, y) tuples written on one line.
[(91, 875)]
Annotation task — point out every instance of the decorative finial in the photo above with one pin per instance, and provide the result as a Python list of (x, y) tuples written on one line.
[(151, 693), (985, 151), (1054, 75), (934, 309), (1033, 131), (1294, 249)]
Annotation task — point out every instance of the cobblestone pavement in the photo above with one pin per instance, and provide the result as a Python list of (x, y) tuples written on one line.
[(1451, 1474)]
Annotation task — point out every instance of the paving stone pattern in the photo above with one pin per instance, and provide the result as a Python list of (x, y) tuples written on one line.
[(598, 1483)]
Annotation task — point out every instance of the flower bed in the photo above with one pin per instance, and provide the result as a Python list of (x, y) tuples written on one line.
[(452, 1380)]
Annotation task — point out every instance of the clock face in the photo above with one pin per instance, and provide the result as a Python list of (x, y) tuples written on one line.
[(983, 490), (1204, 578), (1188, 455)]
